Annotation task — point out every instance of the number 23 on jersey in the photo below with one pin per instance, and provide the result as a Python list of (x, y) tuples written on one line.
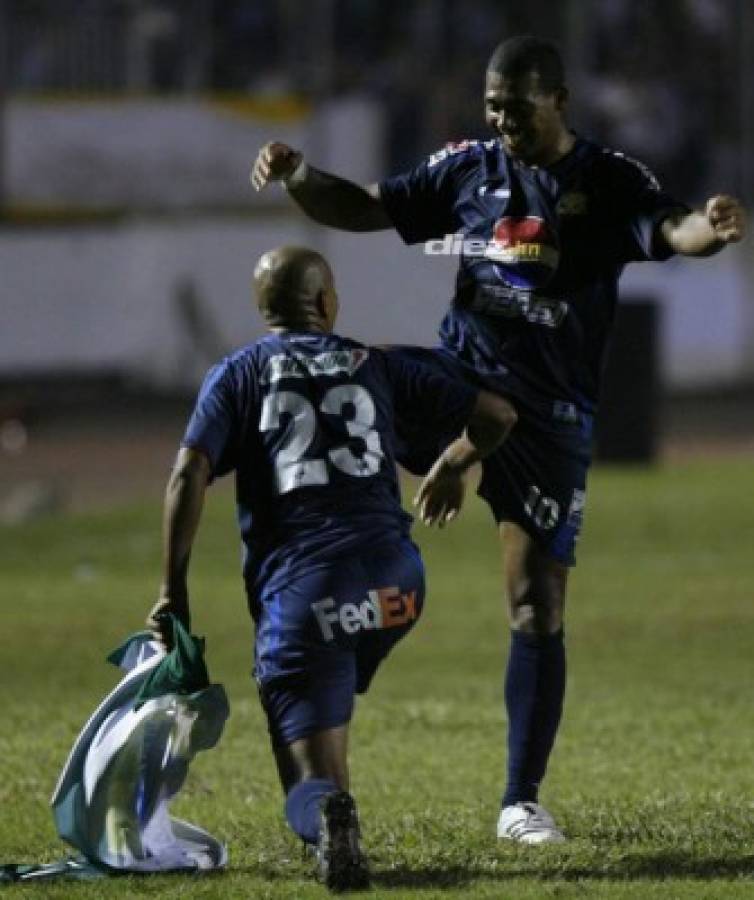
[(352, 406)]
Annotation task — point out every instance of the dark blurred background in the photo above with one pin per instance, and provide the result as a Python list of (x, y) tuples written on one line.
[(670, 82), (128, 230)]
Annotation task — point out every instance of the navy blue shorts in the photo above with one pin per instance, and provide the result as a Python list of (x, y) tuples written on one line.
[(320, 640), (536, 479)]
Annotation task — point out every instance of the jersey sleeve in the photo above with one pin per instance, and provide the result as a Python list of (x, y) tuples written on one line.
[(420, 202), (640, 205), (214, 427), (427, 398)]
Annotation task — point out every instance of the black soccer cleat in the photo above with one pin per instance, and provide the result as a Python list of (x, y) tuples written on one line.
[(341, 864)]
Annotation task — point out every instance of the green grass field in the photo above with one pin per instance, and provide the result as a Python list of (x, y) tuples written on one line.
[(652, 777)]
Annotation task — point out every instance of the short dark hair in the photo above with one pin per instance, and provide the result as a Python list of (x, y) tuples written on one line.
[(525, 53)]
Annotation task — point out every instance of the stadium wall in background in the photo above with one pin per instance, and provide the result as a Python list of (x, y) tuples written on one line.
[(106, 293), (147, 154), (118, 297)]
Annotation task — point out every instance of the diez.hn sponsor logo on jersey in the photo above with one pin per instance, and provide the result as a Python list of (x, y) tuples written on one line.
[(522, 240), (383, 608), (514, 241)]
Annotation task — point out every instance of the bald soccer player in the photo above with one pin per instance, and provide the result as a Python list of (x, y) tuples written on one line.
[(305, 419)]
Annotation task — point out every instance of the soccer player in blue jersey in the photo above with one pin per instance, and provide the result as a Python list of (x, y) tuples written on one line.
[(305, 419), (546, 220)]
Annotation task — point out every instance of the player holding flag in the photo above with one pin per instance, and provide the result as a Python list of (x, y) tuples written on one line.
[(305, 419), (549, 220)]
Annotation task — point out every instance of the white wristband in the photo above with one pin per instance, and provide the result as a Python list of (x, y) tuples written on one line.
[(297, 176)]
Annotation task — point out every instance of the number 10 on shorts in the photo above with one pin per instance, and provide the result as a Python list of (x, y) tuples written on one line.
[(543, 510)]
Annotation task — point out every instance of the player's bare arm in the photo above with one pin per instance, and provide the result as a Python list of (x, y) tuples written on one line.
[(441, 493), (328, 199), (704, 233), (184, 500)]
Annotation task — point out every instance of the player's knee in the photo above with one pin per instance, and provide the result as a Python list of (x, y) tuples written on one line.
[(536, 595), (536, 612)]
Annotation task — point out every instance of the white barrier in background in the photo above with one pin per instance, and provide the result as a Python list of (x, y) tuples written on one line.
[(160, 153), (87, 299)]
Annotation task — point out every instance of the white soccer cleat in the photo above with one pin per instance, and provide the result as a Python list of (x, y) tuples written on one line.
[(528, 823)]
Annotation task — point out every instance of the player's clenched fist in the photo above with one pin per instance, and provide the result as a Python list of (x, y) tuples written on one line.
[(158, 620), (274, 162), (727, 217)]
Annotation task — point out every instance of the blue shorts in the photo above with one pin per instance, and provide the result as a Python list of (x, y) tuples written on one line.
[(536, 479), (320, 640)]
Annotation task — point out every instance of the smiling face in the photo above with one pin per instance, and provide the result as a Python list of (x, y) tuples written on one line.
[(528, 119)]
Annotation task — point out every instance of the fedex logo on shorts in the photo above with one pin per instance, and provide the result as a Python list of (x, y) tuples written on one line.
[(383, 608)]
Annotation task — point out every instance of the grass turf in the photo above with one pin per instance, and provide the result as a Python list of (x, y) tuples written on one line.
[(652, 777)]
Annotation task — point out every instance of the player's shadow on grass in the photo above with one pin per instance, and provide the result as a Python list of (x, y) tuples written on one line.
[(638, 866), (643, 866), (577, 863), (453, 876), (431, 876)]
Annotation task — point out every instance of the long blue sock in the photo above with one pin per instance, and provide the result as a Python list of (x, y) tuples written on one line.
[(534, 690), (302, 806)]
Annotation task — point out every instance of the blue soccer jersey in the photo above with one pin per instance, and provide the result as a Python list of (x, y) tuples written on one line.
[(540, 253), (306, 422)]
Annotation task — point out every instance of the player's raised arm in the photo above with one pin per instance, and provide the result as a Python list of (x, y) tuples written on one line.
[(440, 495), (328, 199), (704, 233), (184, 500)]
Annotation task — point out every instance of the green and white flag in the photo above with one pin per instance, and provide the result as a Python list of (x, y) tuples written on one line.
[(112, 799)]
